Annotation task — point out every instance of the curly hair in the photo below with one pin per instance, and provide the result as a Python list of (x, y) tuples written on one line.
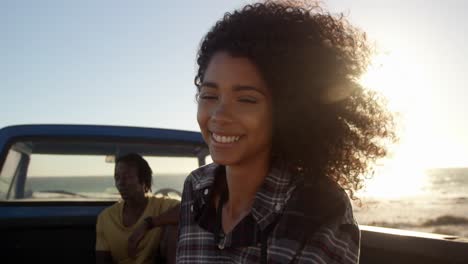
[(145, 174), (325, 123)]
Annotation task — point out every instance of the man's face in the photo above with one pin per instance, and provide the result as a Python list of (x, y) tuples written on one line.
[(127, 182)]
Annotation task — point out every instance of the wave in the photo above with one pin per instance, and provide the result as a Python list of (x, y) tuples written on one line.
[(446, 220), (443, 220)]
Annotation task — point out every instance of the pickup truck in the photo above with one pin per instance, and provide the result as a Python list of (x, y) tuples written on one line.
[(55, 179)]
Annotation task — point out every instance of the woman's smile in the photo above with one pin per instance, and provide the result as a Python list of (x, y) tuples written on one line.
[(224, 139)]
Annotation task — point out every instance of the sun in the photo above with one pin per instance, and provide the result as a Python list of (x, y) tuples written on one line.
[(403, 83), (400, 78), (396, 178)]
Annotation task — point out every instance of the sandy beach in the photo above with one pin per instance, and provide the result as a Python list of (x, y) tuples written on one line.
[(447, 216)]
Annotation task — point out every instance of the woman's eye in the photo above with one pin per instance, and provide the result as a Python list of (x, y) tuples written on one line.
[(248, 100), (208, 97)]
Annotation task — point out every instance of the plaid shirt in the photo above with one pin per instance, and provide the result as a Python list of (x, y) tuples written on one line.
[(311, 223)]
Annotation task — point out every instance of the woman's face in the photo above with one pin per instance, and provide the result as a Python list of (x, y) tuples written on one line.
[(235, 111)]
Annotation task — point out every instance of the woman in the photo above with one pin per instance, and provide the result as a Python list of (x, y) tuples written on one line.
[(125, 231), (289, 129)]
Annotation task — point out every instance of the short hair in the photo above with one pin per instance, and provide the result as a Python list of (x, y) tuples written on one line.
[(145, 174), (325, 123)]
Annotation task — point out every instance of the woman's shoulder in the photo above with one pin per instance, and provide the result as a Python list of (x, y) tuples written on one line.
[(319, 221), (322, 203), (201, 178), (327, 197)]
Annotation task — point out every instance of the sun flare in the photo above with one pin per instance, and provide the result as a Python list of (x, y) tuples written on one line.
[(397, 78)]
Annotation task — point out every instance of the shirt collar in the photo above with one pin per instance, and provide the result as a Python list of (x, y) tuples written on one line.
[(269, 201), (203, 178)]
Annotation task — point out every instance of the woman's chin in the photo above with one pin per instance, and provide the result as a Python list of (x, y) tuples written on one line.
[(225, 161)]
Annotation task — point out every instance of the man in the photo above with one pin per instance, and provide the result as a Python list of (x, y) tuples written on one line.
[(130, 231)]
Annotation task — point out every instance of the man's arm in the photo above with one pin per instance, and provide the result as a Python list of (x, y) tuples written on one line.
[(169, 218)]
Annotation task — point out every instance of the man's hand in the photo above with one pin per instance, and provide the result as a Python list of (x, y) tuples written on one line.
[(135, 239)]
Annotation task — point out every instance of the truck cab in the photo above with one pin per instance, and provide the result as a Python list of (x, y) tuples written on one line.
[(56, 179)]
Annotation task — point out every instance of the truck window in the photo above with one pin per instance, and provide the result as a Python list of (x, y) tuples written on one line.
[(69, 177), (89, 176), (69, 170), (8, 172)]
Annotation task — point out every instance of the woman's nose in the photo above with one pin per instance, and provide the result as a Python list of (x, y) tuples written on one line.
[(222, 112)]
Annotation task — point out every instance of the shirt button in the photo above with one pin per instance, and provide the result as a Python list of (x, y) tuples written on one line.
[(206, 192), (191, 208), (221, 244), (277, 207)]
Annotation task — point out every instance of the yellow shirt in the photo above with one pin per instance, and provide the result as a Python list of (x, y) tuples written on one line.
[(112, 235)]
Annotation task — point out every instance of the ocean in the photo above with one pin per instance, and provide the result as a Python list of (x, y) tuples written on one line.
[(440, 205), (98, 184)]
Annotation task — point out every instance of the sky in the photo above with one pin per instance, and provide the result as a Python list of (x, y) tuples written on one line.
[(132, 63)]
